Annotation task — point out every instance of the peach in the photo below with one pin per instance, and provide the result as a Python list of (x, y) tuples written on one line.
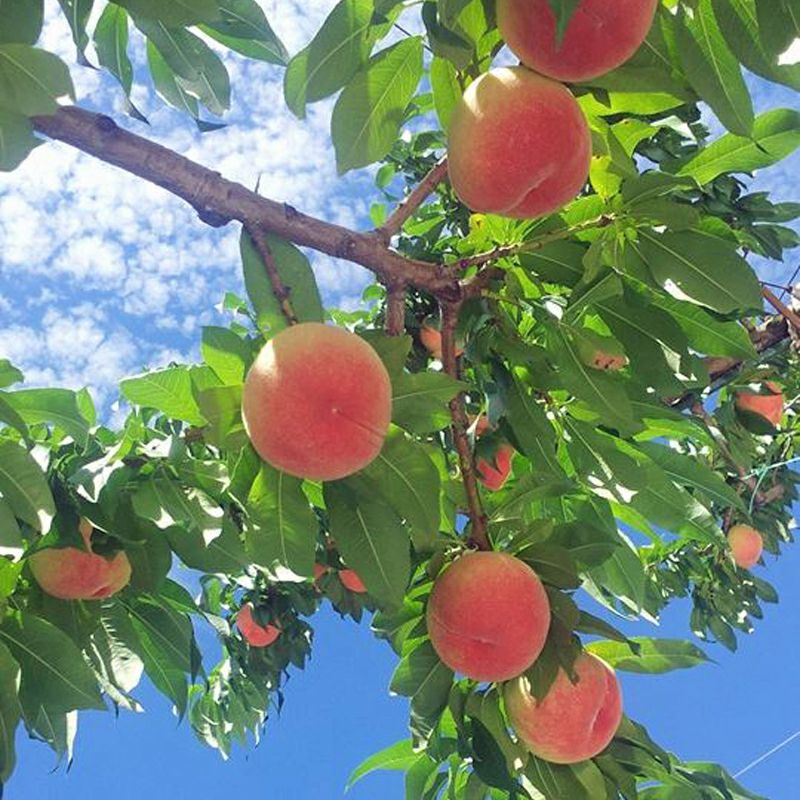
[(488, 616), (317, 402), (352, 582), (746, 545), (519, 145), (573, 722), (493, 475), (431, 339), (769, 406), (70, 573), (320, 571), (600, 36), (256, 635)]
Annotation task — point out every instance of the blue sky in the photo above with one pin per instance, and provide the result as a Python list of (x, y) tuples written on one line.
[(102, 275)]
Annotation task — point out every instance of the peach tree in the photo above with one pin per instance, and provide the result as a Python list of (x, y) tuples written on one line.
[(583, 385)]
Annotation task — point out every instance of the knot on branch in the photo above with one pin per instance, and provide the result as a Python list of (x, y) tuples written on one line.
[(105, 124), (212, 217)]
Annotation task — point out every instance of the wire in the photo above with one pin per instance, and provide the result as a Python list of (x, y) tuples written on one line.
[(768, 754)]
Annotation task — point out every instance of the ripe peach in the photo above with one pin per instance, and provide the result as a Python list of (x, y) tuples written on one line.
[(255, 634), (320, 571), (519, 144), (317, 402), (70, 573), (746, 544), (431, 338), (769, 406), (352, 582), (488, 616), (493, 475), (600, 36), (573, 722)]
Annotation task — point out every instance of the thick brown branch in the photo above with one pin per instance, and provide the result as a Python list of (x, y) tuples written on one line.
[(413, 201), (279, 289), (781, 308), (218, 201), (479, 535), (395, 309)]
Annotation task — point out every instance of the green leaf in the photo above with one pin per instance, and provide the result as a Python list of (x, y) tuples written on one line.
[(405, 477), (369, 112), (10, 534), (167, 86), (690, 471), (423, 677), (445, 88), (199, 70), (174, 13), (226, 353), (533, 432), (9, 374), (706, 333), (702, 268), (371, 538), (31, 80), (296, 275), (285, 526), (776, 135), (332, 57), (10, 711), (167, 390), (24, 486), (713, 70), (554, 565), (166, 503), (56, 406), (600, 391), (222, 553), (77, 13), (21, 21), (244, 28), (399, 756), (164, 640), (419, 402), (621, 576), (16, 140), (559, 262), (654, 656), (54, 673), (563, 10)]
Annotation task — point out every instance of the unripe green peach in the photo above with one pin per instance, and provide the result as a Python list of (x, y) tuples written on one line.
[(317, 402), (488, 616), (600, 36), (573, 722), (519, 145)]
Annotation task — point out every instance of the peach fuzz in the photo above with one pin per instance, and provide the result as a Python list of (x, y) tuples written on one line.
[(352, 582), (494, 474), (256, 635), (573, 722), (519, 145), (601, 35), (70, 573), (488, 616), (769, 406), (746, 545), (317, 402)]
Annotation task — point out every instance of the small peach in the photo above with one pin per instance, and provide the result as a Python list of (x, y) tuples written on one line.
[(255, 634), (352, 582), (746, 544), (493, 475), (769, 406)]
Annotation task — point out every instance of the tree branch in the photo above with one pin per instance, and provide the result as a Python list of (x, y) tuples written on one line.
[(479, 536), (218, 201), (782, 309), (413, 201), (395, 309), (279, 289)]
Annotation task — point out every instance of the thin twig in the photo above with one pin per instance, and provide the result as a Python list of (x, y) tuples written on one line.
[(534, 244), (782, 309), (408, 206), (395, 309), (478, 534), (279, 288)]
